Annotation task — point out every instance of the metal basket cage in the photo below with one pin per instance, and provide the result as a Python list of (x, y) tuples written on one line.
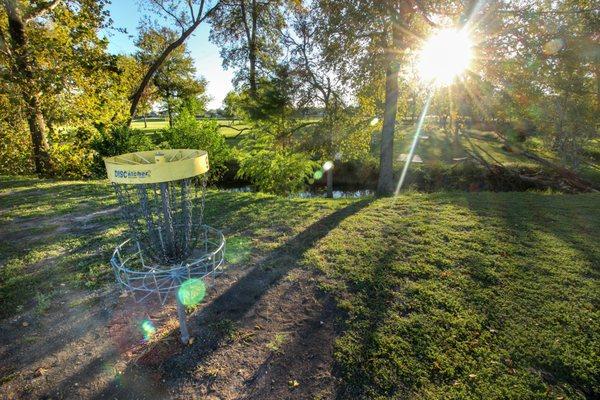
[(139, 274)]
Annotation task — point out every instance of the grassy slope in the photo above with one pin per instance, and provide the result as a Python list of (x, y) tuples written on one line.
[(445, 295), (490, 295), (439, 147)]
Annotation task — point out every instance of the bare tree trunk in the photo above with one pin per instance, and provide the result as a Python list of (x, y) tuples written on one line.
[(252, 52), (250, 31), (385, 184), (23, 68)]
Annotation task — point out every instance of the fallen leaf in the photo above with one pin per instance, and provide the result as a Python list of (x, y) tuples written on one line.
[(294, 383), (25, 324)]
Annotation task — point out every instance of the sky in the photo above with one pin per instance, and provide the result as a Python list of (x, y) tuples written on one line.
[(126, 14)]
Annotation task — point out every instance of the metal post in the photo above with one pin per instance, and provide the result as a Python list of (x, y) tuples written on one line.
[(330, 182), (185, 335)]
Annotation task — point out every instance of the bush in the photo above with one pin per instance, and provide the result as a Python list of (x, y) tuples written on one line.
[(70, 153), (273, 168), (70, 161), (118, 140), (189, 133), (16, 155)]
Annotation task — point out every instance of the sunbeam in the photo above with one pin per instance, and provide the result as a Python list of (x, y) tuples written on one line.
[(411, 153)]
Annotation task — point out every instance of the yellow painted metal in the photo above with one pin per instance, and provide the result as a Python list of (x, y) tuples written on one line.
[(156, 166)]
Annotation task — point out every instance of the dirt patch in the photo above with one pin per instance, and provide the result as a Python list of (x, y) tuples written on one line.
[(39, 229), (263, 331)]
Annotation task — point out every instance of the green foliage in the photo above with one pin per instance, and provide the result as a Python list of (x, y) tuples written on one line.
[(15, 144), (175, 82), (272, 167), (70, 161), (189, 133), (118, 140), (234, 105), (42, 302)]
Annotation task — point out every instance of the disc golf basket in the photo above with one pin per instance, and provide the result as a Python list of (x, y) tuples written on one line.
[(169, 250)]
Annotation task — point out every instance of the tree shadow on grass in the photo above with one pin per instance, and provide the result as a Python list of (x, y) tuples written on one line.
[(541, 231), (237, 300)]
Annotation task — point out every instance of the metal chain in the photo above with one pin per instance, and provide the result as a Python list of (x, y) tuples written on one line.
[(167, 227)]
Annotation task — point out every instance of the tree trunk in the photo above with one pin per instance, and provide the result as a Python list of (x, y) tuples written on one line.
[(252, 51), (37, 130), (145, 120), (23, 69), (385, 185), (170, 112)]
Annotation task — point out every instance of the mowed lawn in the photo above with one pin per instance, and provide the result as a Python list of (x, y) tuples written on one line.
[(447, 295)]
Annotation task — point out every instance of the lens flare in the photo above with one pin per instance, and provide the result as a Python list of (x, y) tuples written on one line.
[(239, 249), (444, 56), (318, 174), (191, 292), (148, 329)]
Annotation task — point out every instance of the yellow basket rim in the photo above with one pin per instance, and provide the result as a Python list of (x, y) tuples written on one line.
[(156, 166)]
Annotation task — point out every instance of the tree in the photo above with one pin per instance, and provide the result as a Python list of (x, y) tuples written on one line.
[(233, 105), (187, 16), (368, 41), (31, 34), (543, 67), (174, 81), (248, 33)]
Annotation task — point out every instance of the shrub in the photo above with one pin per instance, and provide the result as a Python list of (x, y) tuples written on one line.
[(16, 156), (118, 140), (273, 168), (70, 161), (189, 133)]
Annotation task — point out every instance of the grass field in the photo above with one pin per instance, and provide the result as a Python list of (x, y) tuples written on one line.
[(154, 124), (447, 295), (438, 146), (468, 296)]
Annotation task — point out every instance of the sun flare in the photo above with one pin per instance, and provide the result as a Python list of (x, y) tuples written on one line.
[(444, 56)]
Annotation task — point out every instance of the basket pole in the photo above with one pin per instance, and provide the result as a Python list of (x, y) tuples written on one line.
[(185, 335)]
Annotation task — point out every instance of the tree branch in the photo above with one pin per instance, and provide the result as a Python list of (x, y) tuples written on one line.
[(425, 14), (40, 10), (137, 95), (160, 5)]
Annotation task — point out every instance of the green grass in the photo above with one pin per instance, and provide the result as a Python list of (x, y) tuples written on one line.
[(447, 295), (43, 244), (437, 146), (489, 295), (155, 124)]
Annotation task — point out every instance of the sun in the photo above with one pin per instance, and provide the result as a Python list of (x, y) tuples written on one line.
[(444, 56)]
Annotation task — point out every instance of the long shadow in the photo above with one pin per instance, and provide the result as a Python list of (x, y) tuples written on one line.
[(574, 221), (308, 358), (238, 299)]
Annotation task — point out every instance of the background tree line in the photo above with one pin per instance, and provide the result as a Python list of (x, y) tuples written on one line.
[(67, 102)]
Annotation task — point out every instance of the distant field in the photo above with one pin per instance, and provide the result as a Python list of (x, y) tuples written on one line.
[(155, 124)]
